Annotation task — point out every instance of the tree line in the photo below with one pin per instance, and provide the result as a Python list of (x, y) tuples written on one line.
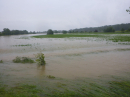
[(109, 28), (7, 31), (117, 27)]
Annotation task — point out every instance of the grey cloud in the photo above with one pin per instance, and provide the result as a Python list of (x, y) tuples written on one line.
[(41, 15)]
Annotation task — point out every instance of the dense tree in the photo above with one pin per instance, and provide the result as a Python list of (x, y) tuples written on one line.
[(128, 29), (96, 31), (64, 32), (49, 32), (122, 30), (6, 31), (117, 27), (109, 29), (55, 31)]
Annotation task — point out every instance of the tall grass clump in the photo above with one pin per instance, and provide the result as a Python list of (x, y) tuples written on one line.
[(23, 60), (40, 59)]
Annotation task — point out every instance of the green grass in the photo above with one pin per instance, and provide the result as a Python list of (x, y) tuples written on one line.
[(66, 36), (120, 88), (106, 36), (19, 91), (110, 89), (23, 60), (113, 89)]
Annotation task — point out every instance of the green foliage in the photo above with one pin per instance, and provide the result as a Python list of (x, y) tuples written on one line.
[(109, 29), (23, 60), (49, 32), (1, 61), (128, 10), (40, 59)]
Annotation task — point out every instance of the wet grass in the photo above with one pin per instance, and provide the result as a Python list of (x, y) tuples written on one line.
[(23, 60), (111, 89), (19, 91)]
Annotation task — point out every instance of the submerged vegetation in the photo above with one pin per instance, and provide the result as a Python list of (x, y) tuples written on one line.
[(107, 36), (40, 59), (120, 38), (1, 61), (23, 45), (23, 60), (50, 76)]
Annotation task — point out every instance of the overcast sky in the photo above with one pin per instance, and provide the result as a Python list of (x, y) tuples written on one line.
[(41, 15)]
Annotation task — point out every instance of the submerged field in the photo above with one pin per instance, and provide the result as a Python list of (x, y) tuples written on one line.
[(77, 65)]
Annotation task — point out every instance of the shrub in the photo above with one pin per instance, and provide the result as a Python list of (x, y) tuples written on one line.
[(17, 60), (1, 61), (40, 59), (23, 60)]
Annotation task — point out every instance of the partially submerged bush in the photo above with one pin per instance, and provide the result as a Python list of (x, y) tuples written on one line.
[(23, 60), (40, 59), (1, 61), (50, 76)]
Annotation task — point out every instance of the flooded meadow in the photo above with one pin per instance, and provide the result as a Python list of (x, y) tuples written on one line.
[(72, 59)]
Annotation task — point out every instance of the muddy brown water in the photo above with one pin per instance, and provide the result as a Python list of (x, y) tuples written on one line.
[(67, 58)]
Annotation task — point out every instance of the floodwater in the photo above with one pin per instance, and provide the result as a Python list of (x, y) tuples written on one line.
[(67, 58)]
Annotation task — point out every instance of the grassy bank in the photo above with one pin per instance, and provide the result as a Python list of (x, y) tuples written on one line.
[(110, 89)]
